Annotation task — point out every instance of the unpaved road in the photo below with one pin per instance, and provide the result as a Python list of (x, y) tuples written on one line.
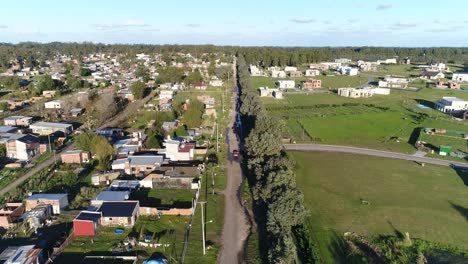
[(372, 152), (236, 228)]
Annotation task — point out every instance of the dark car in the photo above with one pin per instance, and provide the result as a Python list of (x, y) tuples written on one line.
[(235, 153)]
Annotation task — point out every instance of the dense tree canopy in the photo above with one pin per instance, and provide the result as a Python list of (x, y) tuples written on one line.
[(138, 89)]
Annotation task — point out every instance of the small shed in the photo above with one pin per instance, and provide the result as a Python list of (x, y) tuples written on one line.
[(86, 223), (445, 150)]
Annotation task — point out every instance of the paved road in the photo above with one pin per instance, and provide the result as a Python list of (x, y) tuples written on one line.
[(372, 152), (235, 230), (112, 122)]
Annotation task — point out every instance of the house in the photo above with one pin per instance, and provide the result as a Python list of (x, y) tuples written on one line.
[(24, 121), (393, 82), (216, 83), (432, 75), (138, 164), (23, 147), (451, 105), (343, 60), (295, 74), (406, 60), (312, 84), (278, 74), (169, 126), (368, 66), (166, 94), (312, 72), (255, 71), (8, 129), (86, 223), (449, 85), (200, 86), (124, 185), (10, 213), (122, 213), (175, 176), (104, 178), (110, 132), (58, 201), (290, 69), (77, 111), (349, 71), (49, 94), (55, 104), (29, 254), (47, 128), (286, 84), (126, 94), (388, 61), (110, 196), (460, 76), (37, 216), (178, 150), (355, 92), (380, 91), (75, 156)]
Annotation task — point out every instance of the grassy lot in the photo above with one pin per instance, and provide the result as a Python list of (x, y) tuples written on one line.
[(331, 82), (8, 175), (170, 198), (214, 216), (428, 202), (381, 122), (167, 230), (398, 69)]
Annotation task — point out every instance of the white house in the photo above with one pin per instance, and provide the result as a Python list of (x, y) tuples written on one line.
[(348, 71), (166, 94), (278, 74), (388, 61), (355, 92), (381, 91), (460, 77), (255, 71), (312, 72), (267, 92), (290, 69), (286, 84), (216, 83), (451, 105), (393, 82), (55, 104)]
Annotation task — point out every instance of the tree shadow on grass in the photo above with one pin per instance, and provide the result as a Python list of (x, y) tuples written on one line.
[(462, 172), (463, 211), (397, 232)]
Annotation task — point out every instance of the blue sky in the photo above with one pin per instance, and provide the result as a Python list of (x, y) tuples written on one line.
[(239, 22)]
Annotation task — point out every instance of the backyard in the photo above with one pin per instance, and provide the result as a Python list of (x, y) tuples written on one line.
[(168, 198), (428, 202)]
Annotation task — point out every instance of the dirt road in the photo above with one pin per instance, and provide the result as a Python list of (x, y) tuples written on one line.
[(235, 229), (373, 152)]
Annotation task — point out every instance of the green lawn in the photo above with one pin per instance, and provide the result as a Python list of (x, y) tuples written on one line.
[(167, 230), (381, 122), (428, 202), (399, 70)]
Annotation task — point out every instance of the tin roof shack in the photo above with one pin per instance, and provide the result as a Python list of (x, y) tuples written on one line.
[(8, 129), (37, 216), (111, 133), (29, 254), (110, 196), (104, 178), (86, 223), (23, 121), (124, 185), (47, 128), (10, 214), (124, 213), (58, 201)]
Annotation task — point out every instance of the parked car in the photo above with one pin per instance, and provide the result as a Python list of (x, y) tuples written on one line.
[(235, 153)]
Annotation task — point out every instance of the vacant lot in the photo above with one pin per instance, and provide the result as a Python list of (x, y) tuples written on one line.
[(381, 122), (428, 202), (165, 198)]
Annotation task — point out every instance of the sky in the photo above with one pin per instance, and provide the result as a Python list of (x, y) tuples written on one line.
[(309, 23)]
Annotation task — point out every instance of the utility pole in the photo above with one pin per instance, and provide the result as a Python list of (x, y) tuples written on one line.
[(50, 147), (203, 225), (217, 144)]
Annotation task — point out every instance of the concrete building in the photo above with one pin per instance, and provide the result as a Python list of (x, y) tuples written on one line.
[(460, 76), (394, 82), (23, 147), (177, 150), (123, 213), (312, 72), (449, 85), (10, 213), (47, 128), (312, 84), (140, 164), (86, 223), (24, 121), (55, 104), (278, 74), (286, 84), (451, 105), (58, 201), (267, 92), (355, 93), (75, 156)]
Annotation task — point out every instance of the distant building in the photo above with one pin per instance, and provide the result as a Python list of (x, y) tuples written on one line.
[(55, 104), (394, 82), (49, 94), (255, 71), (166, 94), (312, 72), (138, 164), (286, 84), (460, 76), (124, 213), (75, 156), (23, 147), (432, 75), (451, 105), (267, 92), (449, 85), (17, 121), (311, 84), (177, 150), (58, 201), (355, 93), (216, 83), (10, 213), (86, 223), (22, 255), (343, 60), (290, 69), (278, 74), (295, 74), (110, 196)]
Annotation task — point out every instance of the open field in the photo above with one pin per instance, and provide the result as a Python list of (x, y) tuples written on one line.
[(167, 230), (428, 202), (330, 82), (381, 122)]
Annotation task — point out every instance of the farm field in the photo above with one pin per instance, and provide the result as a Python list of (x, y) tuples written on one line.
[(380, 122), (428, 202)]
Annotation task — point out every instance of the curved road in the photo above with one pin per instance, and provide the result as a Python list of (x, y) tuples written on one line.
[(372, 152), (236, 228)]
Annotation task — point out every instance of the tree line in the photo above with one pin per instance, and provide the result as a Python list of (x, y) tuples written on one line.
[(277, 202)]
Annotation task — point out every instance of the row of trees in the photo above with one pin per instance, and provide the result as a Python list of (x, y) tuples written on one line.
[(278, 204)]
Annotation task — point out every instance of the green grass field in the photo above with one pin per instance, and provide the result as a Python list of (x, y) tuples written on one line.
[(381, 122), (428, 202)]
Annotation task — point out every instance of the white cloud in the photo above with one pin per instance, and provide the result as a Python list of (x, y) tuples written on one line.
[(128, 23), (384, 6), (302, 20), (403, 25), (3, 26)]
